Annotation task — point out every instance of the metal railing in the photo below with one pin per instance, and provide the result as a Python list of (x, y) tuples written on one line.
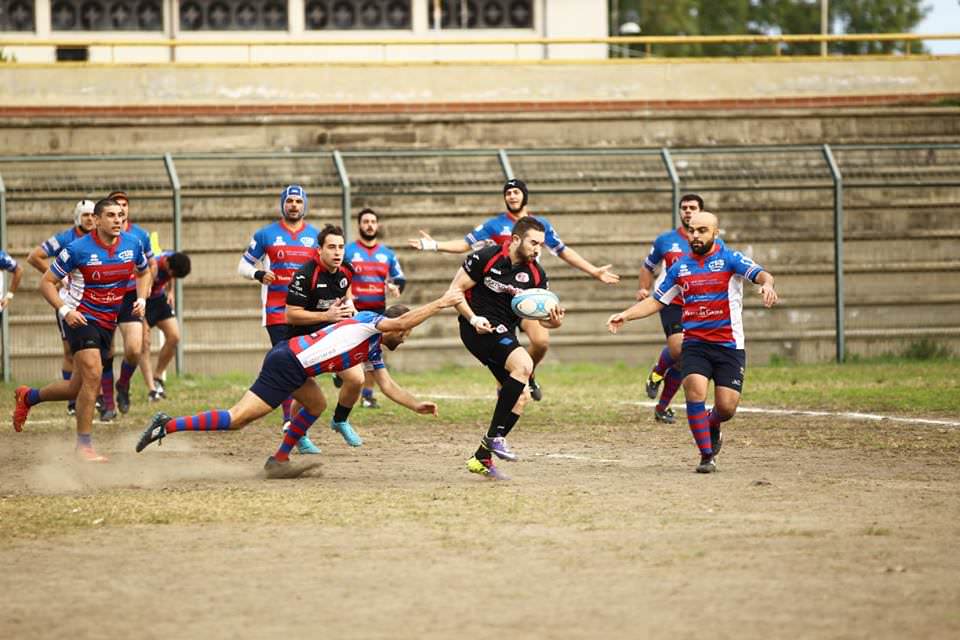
[(343, 174), (522, 47)]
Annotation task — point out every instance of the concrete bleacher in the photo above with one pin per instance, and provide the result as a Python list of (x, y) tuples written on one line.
[(901, 227)]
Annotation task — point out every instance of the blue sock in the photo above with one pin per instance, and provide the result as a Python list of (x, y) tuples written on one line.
[(367, 393), (84, 440), (33, 397)]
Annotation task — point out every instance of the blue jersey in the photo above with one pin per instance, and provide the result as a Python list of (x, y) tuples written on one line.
[(668, 248), (283, 251), (144, 239), (712, 291), (497, 231), (99, 274), (373, 268), (6, 262), (52, 245)]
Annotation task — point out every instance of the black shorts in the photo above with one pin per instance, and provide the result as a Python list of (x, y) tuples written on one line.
[(278, 333), (89, 336), (725, 366), (158, 309), (125, 313), (671, 318), (491, 349), (280, 375)]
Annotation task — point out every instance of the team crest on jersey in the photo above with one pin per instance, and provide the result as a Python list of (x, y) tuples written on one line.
[(522, 277), (715, 265), (94, 259), (343, 283), (126, 255), (381, 257), (307, 242), (64, 255), (675, 248)]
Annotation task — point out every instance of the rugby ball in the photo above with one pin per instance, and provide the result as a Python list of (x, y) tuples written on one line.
[(534, 304)]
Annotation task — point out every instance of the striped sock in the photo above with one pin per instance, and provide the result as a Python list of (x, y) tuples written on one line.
[(665, 362), (700, 426), (66, 374), (287, 406), (106, 385), (671, 383), (297, 429), (714, 418), (33, 397), (126, 372), (216, 420)]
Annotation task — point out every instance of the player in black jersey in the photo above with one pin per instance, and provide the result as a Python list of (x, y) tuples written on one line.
[(489, 278), (319, 295)]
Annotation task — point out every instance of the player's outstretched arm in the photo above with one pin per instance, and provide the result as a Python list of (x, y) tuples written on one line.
[(412, 318), (575, 260), (767, 292), (400, 395), (427, 243), (641, 309), (38, 260)]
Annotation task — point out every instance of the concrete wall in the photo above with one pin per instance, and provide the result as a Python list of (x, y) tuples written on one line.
[(394, 86)]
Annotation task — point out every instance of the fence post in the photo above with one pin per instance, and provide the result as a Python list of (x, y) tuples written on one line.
[(837, 248), (675, 183), (177, 246), (344, 193), (4, 319), (505, 164)]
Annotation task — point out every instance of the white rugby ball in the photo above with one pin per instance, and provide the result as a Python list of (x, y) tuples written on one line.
[(534, 304)]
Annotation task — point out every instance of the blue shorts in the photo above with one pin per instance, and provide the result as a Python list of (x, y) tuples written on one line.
[(278, 333), (671, 318), (158, 310), (89, 336), (280, 375), (723, 365)]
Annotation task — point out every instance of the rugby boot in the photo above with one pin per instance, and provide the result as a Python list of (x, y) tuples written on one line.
[(707, 464), (536, 391), (653, 383), (337, 382), (123, 400), (305, 446), (282, 469), (369, 403), (159, 388), (485, 468), (666, 416), (498, 446), (154, 432), (20, 407), (716, 439), (346, 430), (108, 415)]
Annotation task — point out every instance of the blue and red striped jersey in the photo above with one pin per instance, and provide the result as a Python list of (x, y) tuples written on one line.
[(668, 248), (52, 245), (340, 346), (373, 268), (282, 250), (99, 274), (497, 231), (163, 277), (143, 237), (712, 291)]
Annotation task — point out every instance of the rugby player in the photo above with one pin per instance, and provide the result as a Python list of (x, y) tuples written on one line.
[(160, 313)]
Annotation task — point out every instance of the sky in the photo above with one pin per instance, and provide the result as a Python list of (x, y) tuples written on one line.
[(945, 18)]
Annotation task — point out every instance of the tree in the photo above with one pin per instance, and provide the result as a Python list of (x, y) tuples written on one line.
[(745, 17)]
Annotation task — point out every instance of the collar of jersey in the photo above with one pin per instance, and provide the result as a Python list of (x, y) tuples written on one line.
[(109, 247), (283, 223)]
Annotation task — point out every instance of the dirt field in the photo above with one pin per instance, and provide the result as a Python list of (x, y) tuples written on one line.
[(812, 528)]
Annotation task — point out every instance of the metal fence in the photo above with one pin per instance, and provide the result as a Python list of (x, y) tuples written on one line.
[(338, 176)]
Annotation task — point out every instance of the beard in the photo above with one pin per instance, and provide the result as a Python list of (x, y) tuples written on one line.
[(368, 237), (702, 249)]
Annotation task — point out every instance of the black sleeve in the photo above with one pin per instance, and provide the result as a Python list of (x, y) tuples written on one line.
[(475, 263), (298, 293), (401, 284)]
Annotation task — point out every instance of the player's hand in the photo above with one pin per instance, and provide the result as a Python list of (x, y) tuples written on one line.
[(75, 319), (269, 277), (769, 295), (615, 322), (604, 275), (393, 289), (4, 302), (451, 298), (139, 307), (642, 294), (423, 243), (171, 299), (481, 324), (427, 408), (555, 319), (341, 310)]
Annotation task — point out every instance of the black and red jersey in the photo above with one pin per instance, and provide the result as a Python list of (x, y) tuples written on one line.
[(315, 288), (498, 280)]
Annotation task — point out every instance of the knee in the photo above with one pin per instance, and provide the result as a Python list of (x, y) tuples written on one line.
[(316, 406), (173, 339)]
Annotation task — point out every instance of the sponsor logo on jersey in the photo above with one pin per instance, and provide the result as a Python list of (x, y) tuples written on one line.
[(523, 276), (684, 271), (705, 312), (279, 241), (499, 287), (505, 231), (716, 265), (356, 258), (675, 248)]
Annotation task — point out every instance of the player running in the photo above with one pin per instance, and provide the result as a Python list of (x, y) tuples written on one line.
[(289, 368), (99, 266), (489, 278), (377, 271), (160, 313), (497, 231), (39, 259), (9, 264), (710, 281), (279, 249)]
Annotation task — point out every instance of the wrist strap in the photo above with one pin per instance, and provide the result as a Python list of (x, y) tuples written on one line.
[(63, 311)]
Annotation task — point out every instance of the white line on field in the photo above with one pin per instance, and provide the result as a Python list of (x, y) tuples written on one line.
[(853, 415), (570, 456)]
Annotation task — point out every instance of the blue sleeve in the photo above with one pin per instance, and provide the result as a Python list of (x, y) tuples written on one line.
[(396, 273), (65, 263), (551, 239), (655, 256), (668, 289), (140, 259), (743, 265), (481, 233), (54, 243), (256, 249), (145, 243), (6, 262)]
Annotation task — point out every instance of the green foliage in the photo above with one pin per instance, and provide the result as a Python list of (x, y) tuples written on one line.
[(746, 17), (926, 349)]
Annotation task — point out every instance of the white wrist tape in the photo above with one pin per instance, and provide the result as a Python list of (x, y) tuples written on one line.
[(428, 245), (475, 320), (63, 311), (8, 296)]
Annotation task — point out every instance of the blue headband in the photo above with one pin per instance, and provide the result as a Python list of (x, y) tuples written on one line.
[(293, 190)]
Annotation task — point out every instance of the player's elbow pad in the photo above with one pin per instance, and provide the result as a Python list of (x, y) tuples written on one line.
[(246, 269)]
